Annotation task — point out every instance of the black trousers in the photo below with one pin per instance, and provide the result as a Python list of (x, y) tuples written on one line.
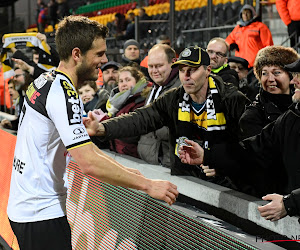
[(292, 27), (47, 235)]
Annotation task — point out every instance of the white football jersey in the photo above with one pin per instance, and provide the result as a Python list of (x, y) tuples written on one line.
[(50, 124)]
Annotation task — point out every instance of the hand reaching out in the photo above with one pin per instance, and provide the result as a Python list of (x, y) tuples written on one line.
[(192, 154), (163, 190), (92, 125)]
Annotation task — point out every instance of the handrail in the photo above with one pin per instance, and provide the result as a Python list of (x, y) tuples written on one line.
[(208, 29)]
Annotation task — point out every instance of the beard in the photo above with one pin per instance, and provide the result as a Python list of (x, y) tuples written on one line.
[(112, 81), (86, 73)]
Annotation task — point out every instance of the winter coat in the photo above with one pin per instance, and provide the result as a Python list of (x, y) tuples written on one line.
[(127, 145), (250, 37), (227, 74), (98, 102), (266, 109), (289, 10), (154, 147), (269, 161), (164, 112)]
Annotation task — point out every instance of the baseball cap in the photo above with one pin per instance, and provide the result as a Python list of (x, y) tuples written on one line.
[(240, 60), (110, 64), (193, 56), (293, 67)]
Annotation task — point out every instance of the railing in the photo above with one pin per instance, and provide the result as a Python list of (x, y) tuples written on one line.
[(202, 36)]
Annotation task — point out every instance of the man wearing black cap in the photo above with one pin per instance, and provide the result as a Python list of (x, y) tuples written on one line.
[(203, 108), (278, 142), (110, 75), (248, 84)]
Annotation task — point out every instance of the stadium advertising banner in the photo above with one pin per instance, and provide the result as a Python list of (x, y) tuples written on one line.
[(106, 217)]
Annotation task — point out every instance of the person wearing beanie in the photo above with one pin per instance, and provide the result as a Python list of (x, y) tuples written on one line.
[(203, 108), (131, 56), (275, 95), (249, 36)]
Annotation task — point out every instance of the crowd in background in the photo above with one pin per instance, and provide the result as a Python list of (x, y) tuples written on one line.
[(205, 96)]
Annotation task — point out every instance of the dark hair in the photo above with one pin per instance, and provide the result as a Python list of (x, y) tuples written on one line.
[(135, 72), (77, 31), (92, 84), (11, 80), (170, 52)]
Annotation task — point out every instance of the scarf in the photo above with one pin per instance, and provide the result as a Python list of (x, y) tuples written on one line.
[(208, 118), (117, 99), (216, 71), (22, 39), (156, 89)]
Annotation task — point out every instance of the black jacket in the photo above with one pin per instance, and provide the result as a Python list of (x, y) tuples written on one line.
[(164, 112), (269, 161), (266, 109), (229, 75)]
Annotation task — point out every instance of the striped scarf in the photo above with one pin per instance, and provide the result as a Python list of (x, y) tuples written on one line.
[(16, 40), (209, 118)]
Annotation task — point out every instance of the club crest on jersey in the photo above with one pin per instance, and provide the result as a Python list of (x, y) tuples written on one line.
[(72, 103)]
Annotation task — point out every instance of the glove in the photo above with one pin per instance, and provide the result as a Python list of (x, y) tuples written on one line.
[(234, 46)]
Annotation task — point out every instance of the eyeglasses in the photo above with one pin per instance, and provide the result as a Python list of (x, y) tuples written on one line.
[(218, 54), (296, 74)]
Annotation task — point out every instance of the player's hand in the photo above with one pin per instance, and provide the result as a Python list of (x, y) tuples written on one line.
[(163, 190)]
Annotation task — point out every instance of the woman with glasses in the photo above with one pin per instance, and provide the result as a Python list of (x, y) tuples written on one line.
[(275, 95)]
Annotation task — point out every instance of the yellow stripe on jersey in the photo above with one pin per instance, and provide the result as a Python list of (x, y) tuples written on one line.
[(80, 145)]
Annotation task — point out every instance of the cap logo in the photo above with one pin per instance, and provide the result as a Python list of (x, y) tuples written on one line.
[(186, 53)]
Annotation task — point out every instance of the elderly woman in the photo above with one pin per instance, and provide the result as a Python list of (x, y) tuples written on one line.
[(275, 95), (130, 94)]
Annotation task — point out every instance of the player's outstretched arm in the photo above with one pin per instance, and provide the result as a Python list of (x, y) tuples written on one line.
[(94, 162)]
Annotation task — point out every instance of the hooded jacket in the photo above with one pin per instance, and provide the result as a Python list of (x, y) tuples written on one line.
[(250, 36)]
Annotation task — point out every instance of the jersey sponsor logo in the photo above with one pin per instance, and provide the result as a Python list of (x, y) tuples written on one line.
[(32, 94), (72, 103), (80, 136), (18, 165), (78, 131)]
